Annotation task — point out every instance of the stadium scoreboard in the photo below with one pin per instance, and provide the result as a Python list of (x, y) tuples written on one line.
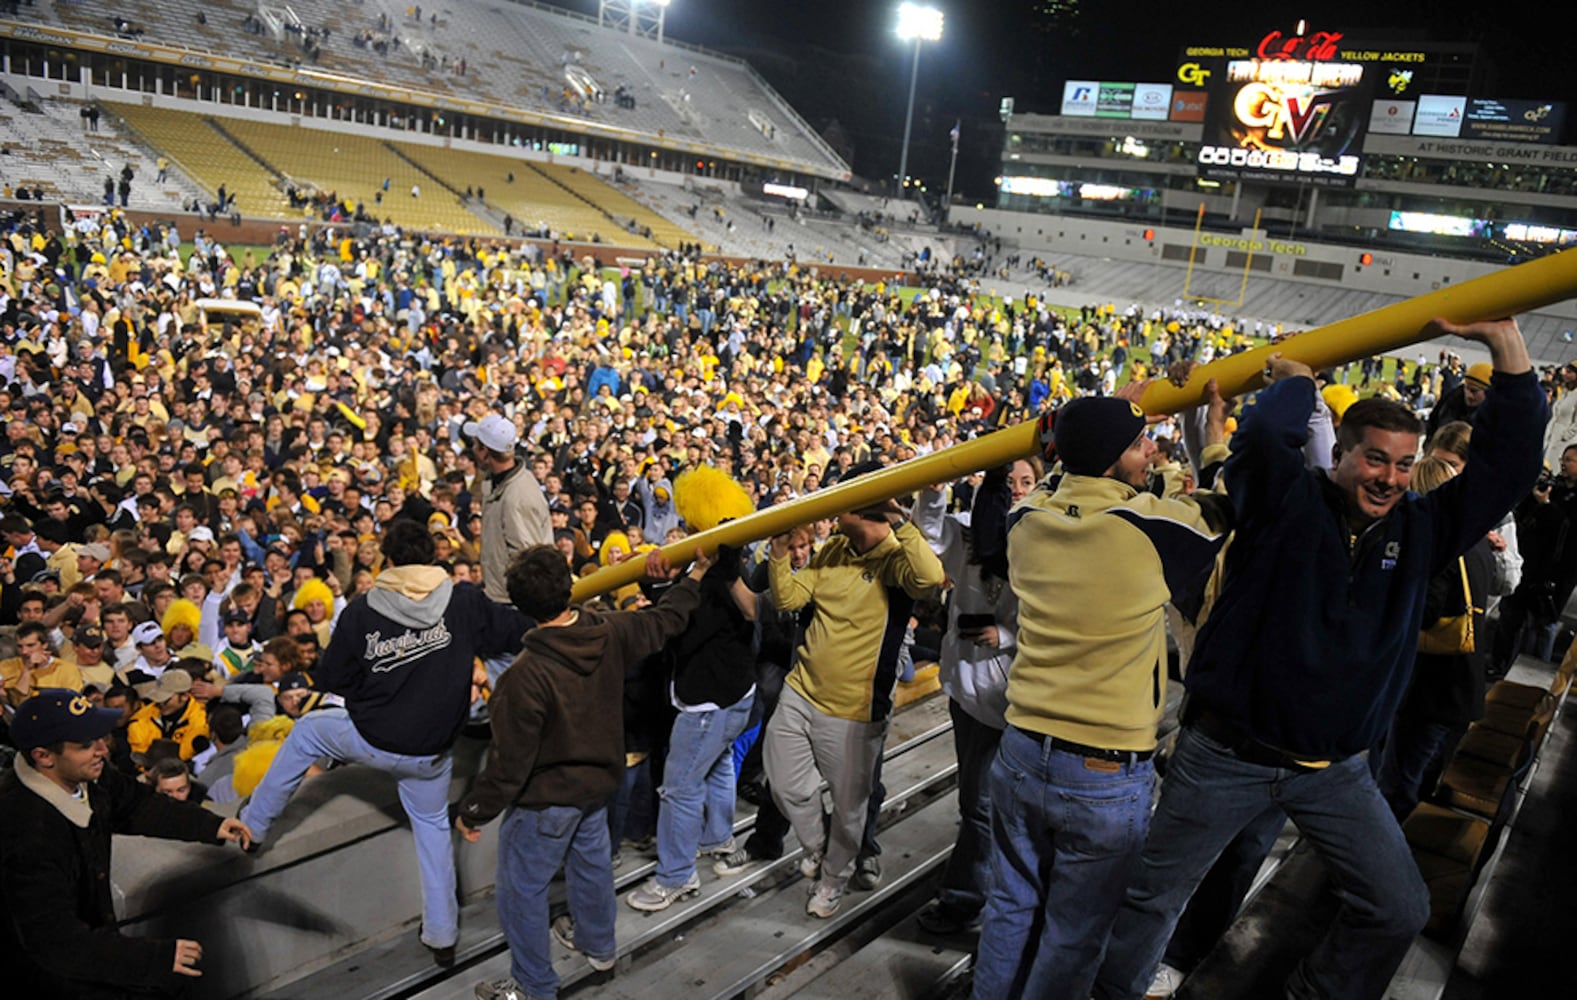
[(1283, 120)]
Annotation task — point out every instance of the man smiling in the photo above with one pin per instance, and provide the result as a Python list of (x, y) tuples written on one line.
[(1305, 657)]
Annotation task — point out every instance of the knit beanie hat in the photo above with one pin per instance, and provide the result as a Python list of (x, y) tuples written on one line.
[(1480, 373), (1092, 432)]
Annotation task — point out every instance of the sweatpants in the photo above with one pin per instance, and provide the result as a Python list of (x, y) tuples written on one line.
[(805, 747)]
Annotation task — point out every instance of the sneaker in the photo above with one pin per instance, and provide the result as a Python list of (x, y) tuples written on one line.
[(653, 895), (563, 931), (722, 850), (810, 865), (500, 989), (618, 860), (642, 845), (442, 957), (824, 902), (946, 921), (867, 873), (1166, 982), (733, 863)]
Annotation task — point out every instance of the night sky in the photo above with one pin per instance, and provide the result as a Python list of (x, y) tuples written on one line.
[(840, 61)]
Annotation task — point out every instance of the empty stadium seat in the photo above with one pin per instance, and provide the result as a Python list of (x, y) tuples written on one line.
[(1447, 847)]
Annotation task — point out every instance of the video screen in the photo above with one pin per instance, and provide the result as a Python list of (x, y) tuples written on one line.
[(1286, 121)]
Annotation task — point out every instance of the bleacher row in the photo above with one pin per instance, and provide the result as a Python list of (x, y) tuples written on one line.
[(48, 147), (51, 149), (514, 54), (1478, 796), (255, 161)]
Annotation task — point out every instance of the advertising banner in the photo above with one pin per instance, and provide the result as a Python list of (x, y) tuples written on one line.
[(1285, 121), (1392, 118), (1439, 225), (1152, 101), (1114, 100), (1080, 97), (1188, 105), (1439, 116), (1514, 121)]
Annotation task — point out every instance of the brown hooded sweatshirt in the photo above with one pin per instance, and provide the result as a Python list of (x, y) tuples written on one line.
[(558, 733)]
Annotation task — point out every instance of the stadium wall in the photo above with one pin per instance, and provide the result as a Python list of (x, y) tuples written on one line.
[(1328, 265), (262, 232)]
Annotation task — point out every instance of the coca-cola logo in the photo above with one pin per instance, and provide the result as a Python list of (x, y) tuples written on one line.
[(1317, 47)]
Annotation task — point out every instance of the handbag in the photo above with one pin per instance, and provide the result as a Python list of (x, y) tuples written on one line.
[(1454, 635)]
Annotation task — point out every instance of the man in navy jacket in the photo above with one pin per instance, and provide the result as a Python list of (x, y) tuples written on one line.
[(402, 657), (1307, 653)]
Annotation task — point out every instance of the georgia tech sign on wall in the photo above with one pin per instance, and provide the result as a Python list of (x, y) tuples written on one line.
[(1253, 245)]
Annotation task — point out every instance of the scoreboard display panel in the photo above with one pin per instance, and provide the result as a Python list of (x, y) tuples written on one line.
[(1287, 121)]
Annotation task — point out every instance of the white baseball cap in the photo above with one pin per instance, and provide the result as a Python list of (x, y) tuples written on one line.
[(147, 634), (494, 431)]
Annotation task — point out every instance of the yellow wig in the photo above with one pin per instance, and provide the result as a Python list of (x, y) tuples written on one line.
[(314, 590), (615, 542), (1338, 397), (181, 612), (706, 497), (263, 742)]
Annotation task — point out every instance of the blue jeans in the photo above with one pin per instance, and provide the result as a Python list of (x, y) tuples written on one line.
[(424, 792), (967, 877), (1415, 751), (697, 793), (1220, 895), (1066, 833), (533, 844), (630, 811), (1210, 794)]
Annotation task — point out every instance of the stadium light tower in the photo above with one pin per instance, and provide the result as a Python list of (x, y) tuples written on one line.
[(916, 23), (642, 18)]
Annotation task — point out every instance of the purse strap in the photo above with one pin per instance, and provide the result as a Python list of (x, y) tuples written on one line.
[(1467, 592)]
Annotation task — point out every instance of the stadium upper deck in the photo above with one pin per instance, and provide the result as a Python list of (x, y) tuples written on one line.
[(515, 74), (1384, 141)]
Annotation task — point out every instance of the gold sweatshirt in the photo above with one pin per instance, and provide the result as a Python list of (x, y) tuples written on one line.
[(848, 664), (1093, 564)]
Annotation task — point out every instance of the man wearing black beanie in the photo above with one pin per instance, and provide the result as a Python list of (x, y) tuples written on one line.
[(1093, 562)]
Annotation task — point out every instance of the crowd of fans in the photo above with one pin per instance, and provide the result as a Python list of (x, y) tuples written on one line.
[(193, 492)]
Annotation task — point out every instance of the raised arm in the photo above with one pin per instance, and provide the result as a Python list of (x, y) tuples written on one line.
[(1507, 447)]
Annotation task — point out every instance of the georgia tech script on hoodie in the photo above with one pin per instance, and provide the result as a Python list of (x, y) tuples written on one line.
[(384, 655)]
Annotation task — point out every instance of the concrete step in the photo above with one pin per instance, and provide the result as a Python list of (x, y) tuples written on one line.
[(751, 940), (905, 963), (909, 776), (920, 758)]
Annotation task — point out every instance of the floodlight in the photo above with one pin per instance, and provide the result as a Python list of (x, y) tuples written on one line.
[(917, 22)]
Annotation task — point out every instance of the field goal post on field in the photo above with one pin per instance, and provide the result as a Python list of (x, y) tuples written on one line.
[(1216, 288)]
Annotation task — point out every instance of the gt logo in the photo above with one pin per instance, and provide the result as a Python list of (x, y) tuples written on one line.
[(1192, 74)]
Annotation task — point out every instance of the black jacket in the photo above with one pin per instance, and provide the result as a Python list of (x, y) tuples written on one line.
[(1450, 689), (714, 659), (401, 656), (57, 918)]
